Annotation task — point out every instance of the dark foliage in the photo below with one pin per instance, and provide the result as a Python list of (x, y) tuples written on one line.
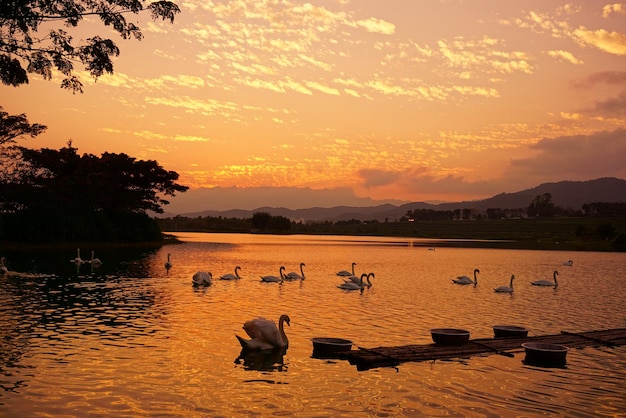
[(52, 223), (542, 206), (23, 52), (60, 196), (263, 221)]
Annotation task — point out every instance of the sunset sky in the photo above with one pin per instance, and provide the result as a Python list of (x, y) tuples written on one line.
[(410, 100)]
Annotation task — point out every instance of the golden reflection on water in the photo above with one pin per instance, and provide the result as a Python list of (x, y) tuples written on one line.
[(137, 340)]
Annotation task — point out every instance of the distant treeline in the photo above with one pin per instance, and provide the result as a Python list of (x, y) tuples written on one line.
[(594, 231)]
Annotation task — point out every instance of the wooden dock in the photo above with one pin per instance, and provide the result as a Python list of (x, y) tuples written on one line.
[(368, 358)]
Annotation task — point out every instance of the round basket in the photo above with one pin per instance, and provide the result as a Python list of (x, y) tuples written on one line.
[(509, 331), (450, 336)]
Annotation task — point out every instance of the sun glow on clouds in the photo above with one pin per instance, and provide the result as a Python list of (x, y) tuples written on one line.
[(395, 102)]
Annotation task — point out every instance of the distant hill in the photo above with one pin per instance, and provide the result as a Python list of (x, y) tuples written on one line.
[(566, 194)]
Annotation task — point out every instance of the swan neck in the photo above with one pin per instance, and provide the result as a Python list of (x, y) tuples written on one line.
[(281, 329)]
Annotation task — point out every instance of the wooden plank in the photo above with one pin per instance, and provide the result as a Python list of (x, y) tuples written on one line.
[(366, 358), (598, 340)]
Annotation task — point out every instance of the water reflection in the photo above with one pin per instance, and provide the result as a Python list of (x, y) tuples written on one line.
[(263, 360), (133, 338)]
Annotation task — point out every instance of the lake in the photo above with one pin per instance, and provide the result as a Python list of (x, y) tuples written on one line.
[(132, 339)]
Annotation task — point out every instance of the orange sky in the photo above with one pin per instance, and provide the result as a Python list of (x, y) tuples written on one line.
[(401, 99)]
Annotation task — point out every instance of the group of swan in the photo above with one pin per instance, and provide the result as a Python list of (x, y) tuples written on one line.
[(282, 276), (356, 283), (509, 288), (264, 334), (353, 282), (94, 261), (205, 278), (506, 289)]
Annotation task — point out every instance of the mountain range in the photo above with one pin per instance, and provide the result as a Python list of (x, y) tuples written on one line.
[(565, 194)]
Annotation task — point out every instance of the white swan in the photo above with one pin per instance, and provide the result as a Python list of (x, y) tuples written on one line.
[(275, 279), (466, 279), (352, 278), (353, 286), (3, 269), (292, 275), (231, 276), (346, 272), (506, 289), (168, 263), (95, 262), (264, 334), (547, 282), (202, 278), (77, 259), (569, 263), (357, 280)]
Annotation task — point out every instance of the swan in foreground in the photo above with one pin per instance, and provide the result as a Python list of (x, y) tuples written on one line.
[(264, 334), (231, 276), (3, 269), (275, 279), (547, 282), (466, 279), (168, 263), (202, 278), (350, 285), (346, 272), (295, 276), (506, 289), (569, 263), (95, 262), (78, 261)]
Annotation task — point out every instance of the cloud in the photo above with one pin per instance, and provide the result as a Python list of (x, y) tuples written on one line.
[(610, 9), (608, 41), (377, 26), (611, 42), (602, 77), (374, 178), (578, 157), (614, 106), (566, 56), (600, 154)]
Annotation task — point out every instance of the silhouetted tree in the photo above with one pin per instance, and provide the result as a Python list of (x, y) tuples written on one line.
[(542, 206), (14, 126), (261, 220), (22, 51), (114, 182), (265, 221), (59, 195)]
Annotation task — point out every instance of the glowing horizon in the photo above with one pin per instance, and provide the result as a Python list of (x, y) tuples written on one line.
[(420, 101)]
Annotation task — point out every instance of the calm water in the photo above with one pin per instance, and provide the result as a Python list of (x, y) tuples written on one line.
[(132, 339)]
